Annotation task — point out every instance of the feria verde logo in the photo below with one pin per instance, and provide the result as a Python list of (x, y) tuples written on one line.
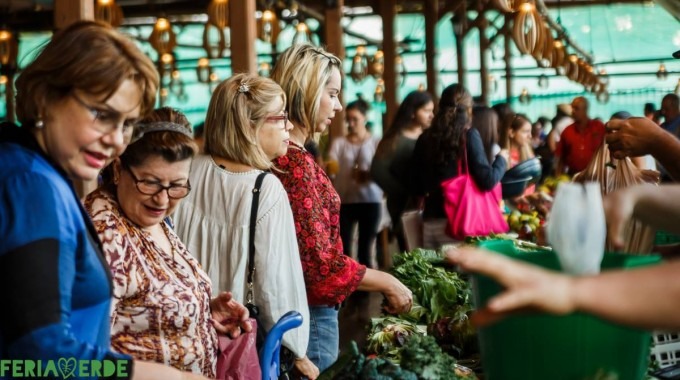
[(64, 368)]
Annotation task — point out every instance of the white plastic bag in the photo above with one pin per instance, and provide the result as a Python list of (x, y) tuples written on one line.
[(576, 228), (413, 228)]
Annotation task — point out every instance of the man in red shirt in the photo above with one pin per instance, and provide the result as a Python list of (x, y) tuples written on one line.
[(579, 141)]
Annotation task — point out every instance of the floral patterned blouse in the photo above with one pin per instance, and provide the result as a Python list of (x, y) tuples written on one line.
[(330, 275), (161, 306)]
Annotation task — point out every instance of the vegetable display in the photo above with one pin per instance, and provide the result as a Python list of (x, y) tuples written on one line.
[(423, 359)]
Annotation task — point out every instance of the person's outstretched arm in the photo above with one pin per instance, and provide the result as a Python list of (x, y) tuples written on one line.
[(640, 298), (639, 136), (656, 206)]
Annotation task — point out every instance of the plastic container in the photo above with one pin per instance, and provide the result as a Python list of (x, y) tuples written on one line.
[(573, 347), (663, 237), (515, 187), (666, 348), (530, 168)]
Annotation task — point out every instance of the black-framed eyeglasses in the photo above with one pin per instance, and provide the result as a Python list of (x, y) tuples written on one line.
[(275, 118), (147, 187), (106, 120)]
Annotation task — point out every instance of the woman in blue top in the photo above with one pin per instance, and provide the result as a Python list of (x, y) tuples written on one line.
[(77, 103), (435, 159)]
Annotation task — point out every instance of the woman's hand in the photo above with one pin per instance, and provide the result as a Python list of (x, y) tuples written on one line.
[(399, 297), (228, 316), (527, 287), (306, 368), (505, 154)]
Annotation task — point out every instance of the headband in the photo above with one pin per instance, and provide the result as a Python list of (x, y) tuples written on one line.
[(160, 126)]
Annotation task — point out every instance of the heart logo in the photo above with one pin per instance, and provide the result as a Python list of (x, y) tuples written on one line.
[(67, 367)]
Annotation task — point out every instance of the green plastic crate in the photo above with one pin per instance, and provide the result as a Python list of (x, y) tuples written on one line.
[(573, 347), (663, 237)]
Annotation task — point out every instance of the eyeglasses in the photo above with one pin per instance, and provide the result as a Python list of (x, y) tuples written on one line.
[(276, 118), (107, 120), (147, 187)]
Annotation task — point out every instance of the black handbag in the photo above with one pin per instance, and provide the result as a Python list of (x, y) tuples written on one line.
[(287, 358)]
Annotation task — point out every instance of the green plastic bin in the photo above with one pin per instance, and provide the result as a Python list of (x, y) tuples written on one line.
[(663, 237), (546, 347)]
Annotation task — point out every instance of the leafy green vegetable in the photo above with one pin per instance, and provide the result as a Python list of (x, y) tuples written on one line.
[(423, 356), (521, 245), (353, 365), (388, 335), (436, 289)]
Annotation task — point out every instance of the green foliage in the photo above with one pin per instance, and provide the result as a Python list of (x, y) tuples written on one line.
[(353, 365), (440, 291), (423, 356), (388, 335)]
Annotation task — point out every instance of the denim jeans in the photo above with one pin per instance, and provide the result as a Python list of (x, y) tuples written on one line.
[(324, 336)]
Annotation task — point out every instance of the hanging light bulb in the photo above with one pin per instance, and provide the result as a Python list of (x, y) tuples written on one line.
[(3, 84), (359, 69), (421, 87), (203, 70), (302, 33), (662, 74), (543, 81), (603, 96), (494, 83), (162, 38), (268, 27), (377, 66), (163, 95), (218, 13), (109, 12), (604, 77), (8, 48), (264, 69), (215, 41), (177, 84), (524, 96), (379, 94), (401, 70)]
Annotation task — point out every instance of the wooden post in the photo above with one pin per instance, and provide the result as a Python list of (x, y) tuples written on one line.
[(460, 29), (388, 12), (431, 18), (333, 36), (507, 39), (10, 106), (483, 62), (66, 12), (243, 35)]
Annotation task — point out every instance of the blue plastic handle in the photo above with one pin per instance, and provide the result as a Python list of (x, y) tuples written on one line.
[(269, 361)]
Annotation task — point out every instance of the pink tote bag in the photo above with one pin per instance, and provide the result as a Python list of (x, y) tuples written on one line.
[(469, 210)]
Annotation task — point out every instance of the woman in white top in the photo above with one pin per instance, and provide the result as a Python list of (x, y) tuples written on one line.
[(361, 197), (245, 128)]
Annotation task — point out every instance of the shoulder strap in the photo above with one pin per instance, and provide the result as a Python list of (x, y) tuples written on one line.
[(251, 238), (462, 159)]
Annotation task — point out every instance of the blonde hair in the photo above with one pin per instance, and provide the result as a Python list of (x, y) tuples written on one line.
[(88, 56), (238, 109), (303, 71), (525, 151)]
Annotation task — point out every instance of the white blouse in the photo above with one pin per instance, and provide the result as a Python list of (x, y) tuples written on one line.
[(214, 222), (349, 156)]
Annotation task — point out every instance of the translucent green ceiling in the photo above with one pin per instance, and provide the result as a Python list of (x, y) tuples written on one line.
[(623, 39)]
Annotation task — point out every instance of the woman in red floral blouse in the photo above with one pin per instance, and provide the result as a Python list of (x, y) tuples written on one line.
[(310, 76)]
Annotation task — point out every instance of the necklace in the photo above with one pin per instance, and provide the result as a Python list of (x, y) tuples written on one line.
[(295, 145)]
